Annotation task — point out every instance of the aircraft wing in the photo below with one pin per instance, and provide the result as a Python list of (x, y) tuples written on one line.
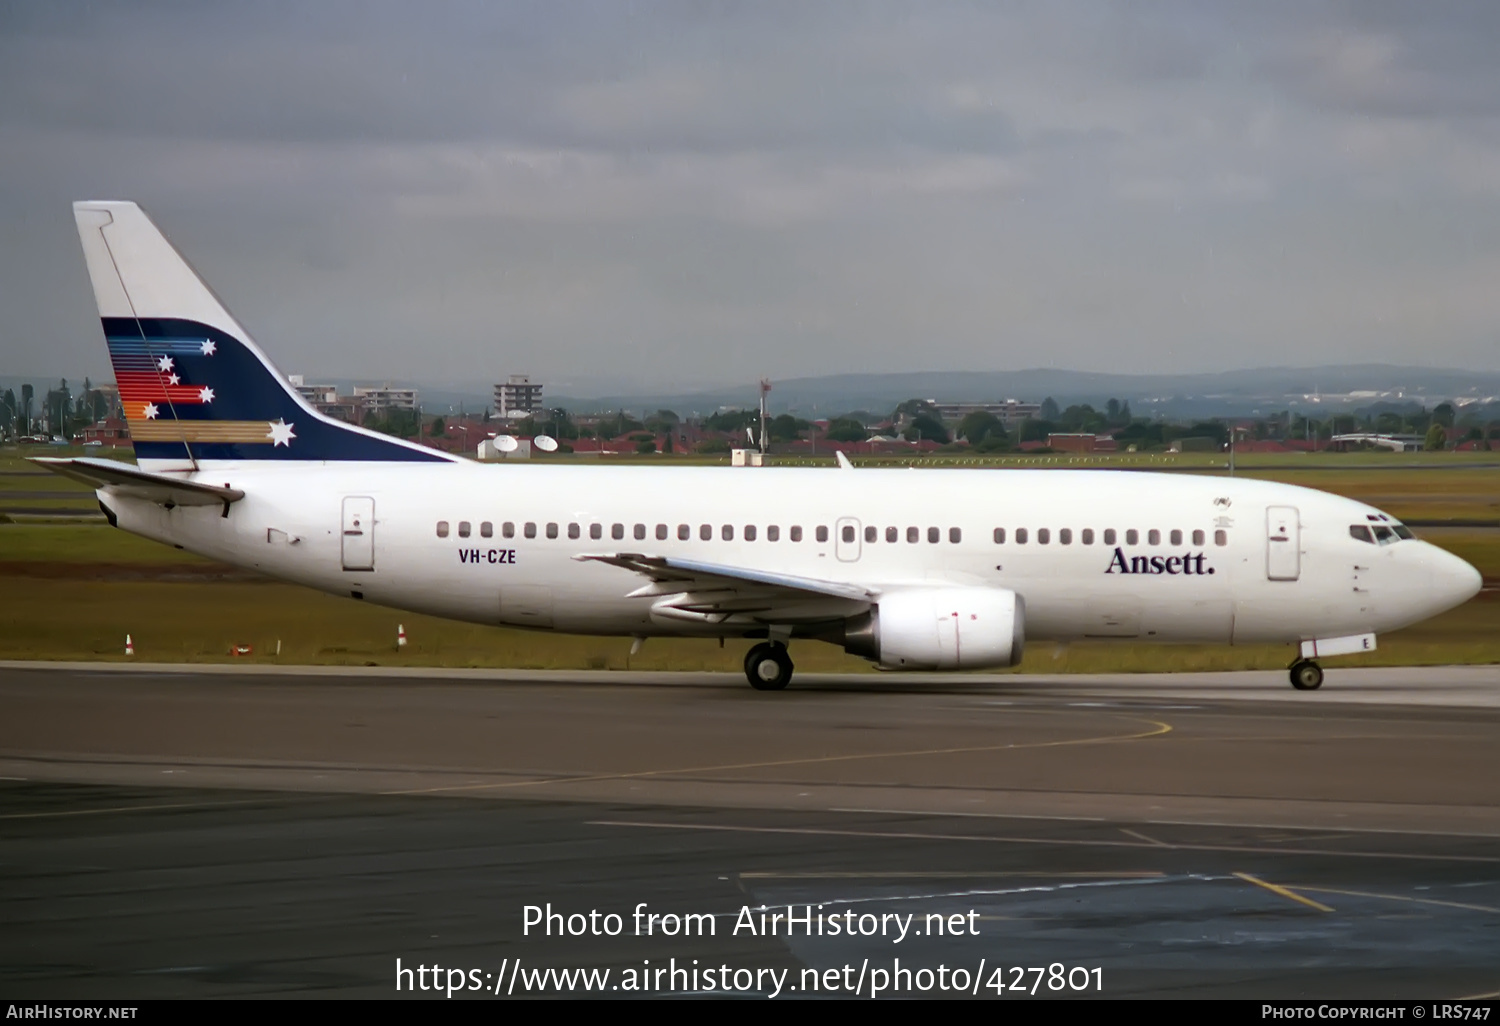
[(695, 591), (123, 479)]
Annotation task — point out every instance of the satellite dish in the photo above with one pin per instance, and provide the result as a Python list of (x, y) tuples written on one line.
[(546, 443), (506, 443)]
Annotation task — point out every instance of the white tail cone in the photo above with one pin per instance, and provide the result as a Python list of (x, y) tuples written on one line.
[(129, 646)]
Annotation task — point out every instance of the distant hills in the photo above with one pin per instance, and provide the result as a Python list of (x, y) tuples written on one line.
[(1174, 396), (1226, 393)]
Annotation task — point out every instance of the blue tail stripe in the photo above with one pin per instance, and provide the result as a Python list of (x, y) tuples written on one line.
[(244, 389)]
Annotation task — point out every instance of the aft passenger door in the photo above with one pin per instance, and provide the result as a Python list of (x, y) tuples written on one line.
[(359, 533), (1283, 543)]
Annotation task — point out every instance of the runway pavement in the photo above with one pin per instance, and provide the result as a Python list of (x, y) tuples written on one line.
[(212, 831)]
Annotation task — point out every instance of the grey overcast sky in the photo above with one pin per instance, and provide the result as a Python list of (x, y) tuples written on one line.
[(619, 194)]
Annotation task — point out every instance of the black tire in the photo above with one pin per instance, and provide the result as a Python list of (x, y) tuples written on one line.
[(1306, 675), (768, 667)]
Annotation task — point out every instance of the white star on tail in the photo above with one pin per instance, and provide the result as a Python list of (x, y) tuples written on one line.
[(173, 379), (208, 348), (151, 411), (165, 363), (206, 395), (281, 433)]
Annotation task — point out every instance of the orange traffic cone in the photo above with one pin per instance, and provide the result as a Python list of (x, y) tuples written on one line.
[(400, 635), (129, 646)]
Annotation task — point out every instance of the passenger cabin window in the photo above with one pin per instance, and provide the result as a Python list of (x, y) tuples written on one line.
[(1109, 536), (913, 535), (617, 531), (1197, 537), (661, 532), (727, 532), (1043, 536), (1221, 537), (508, 529), (574, 530), (796, 533), (1065, 536), (821, 533), (640, 532), (529, 530), (773, 533), (1359, 532), (706, 532), (442, 528), (486, 530), (848, 532), (596, 531), (1132, 537), (1020, 536), (955, 535), (551, 530), (934, 535), (871, 533), (463, 528), (684, 532), (892, 534), (1086, 536), (999, 536), (1153, 537), (1176, 537), (749, 532)]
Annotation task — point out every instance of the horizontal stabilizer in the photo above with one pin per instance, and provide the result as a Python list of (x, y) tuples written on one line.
[(123, 479)]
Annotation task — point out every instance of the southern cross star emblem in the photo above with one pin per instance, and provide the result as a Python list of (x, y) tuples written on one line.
[(206, 395), (151, 411), (281, 433), (208, 347), (165, 363), (173, 379)]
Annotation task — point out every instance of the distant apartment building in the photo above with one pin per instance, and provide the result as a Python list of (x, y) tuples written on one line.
[(384, 398), (353, 408), (1010, 412), (518, 398), (314, 394)]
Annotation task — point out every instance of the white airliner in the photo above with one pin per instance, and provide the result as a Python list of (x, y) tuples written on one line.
[(912, 569)]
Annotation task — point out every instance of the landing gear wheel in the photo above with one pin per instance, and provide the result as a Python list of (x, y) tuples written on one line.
[(1307, 675), (768, 667)]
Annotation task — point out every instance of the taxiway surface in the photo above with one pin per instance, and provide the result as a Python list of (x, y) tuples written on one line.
[(221, 832)]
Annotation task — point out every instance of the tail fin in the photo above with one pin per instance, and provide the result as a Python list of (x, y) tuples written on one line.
[(194, 386)]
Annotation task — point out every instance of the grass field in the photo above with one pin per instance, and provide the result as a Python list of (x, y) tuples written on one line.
[(73, 588)]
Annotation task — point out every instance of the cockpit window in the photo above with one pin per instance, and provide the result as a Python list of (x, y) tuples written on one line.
[(1360, 532), (1402, 531), (1384, 535)]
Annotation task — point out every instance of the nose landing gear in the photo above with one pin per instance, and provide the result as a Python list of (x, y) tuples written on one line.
[(1306, 675), (768, 667)]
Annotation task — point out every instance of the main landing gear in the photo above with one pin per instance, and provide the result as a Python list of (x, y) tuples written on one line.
[(1307, 675), (768, 666)]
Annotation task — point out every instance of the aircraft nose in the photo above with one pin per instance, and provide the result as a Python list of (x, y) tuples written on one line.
[(1454, 579)]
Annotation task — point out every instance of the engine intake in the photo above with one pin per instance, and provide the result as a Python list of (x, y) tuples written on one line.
[(941, 629)]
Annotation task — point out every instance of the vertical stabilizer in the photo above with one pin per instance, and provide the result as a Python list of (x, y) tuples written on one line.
[(195, 387)]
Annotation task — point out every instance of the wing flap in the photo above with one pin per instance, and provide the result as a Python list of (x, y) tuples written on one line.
[(132, 482), (719, 577)]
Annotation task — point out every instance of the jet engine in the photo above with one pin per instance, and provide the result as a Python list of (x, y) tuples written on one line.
[(941, 629)]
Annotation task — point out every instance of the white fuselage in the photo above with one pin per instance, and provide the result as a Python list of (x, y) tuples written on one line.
[(1254, 560)]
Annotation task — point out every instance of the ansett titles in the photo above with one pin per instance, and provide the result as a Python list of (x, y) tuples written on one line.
[(1189, 564), (477, 556)]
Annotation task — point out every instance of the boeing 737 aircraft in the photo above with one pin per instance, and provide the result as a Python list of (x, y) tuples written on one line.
[(913, 569)]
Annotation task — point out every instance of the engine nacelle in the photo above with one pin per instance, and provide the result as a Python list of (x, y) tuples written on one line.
[(941, 629)]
